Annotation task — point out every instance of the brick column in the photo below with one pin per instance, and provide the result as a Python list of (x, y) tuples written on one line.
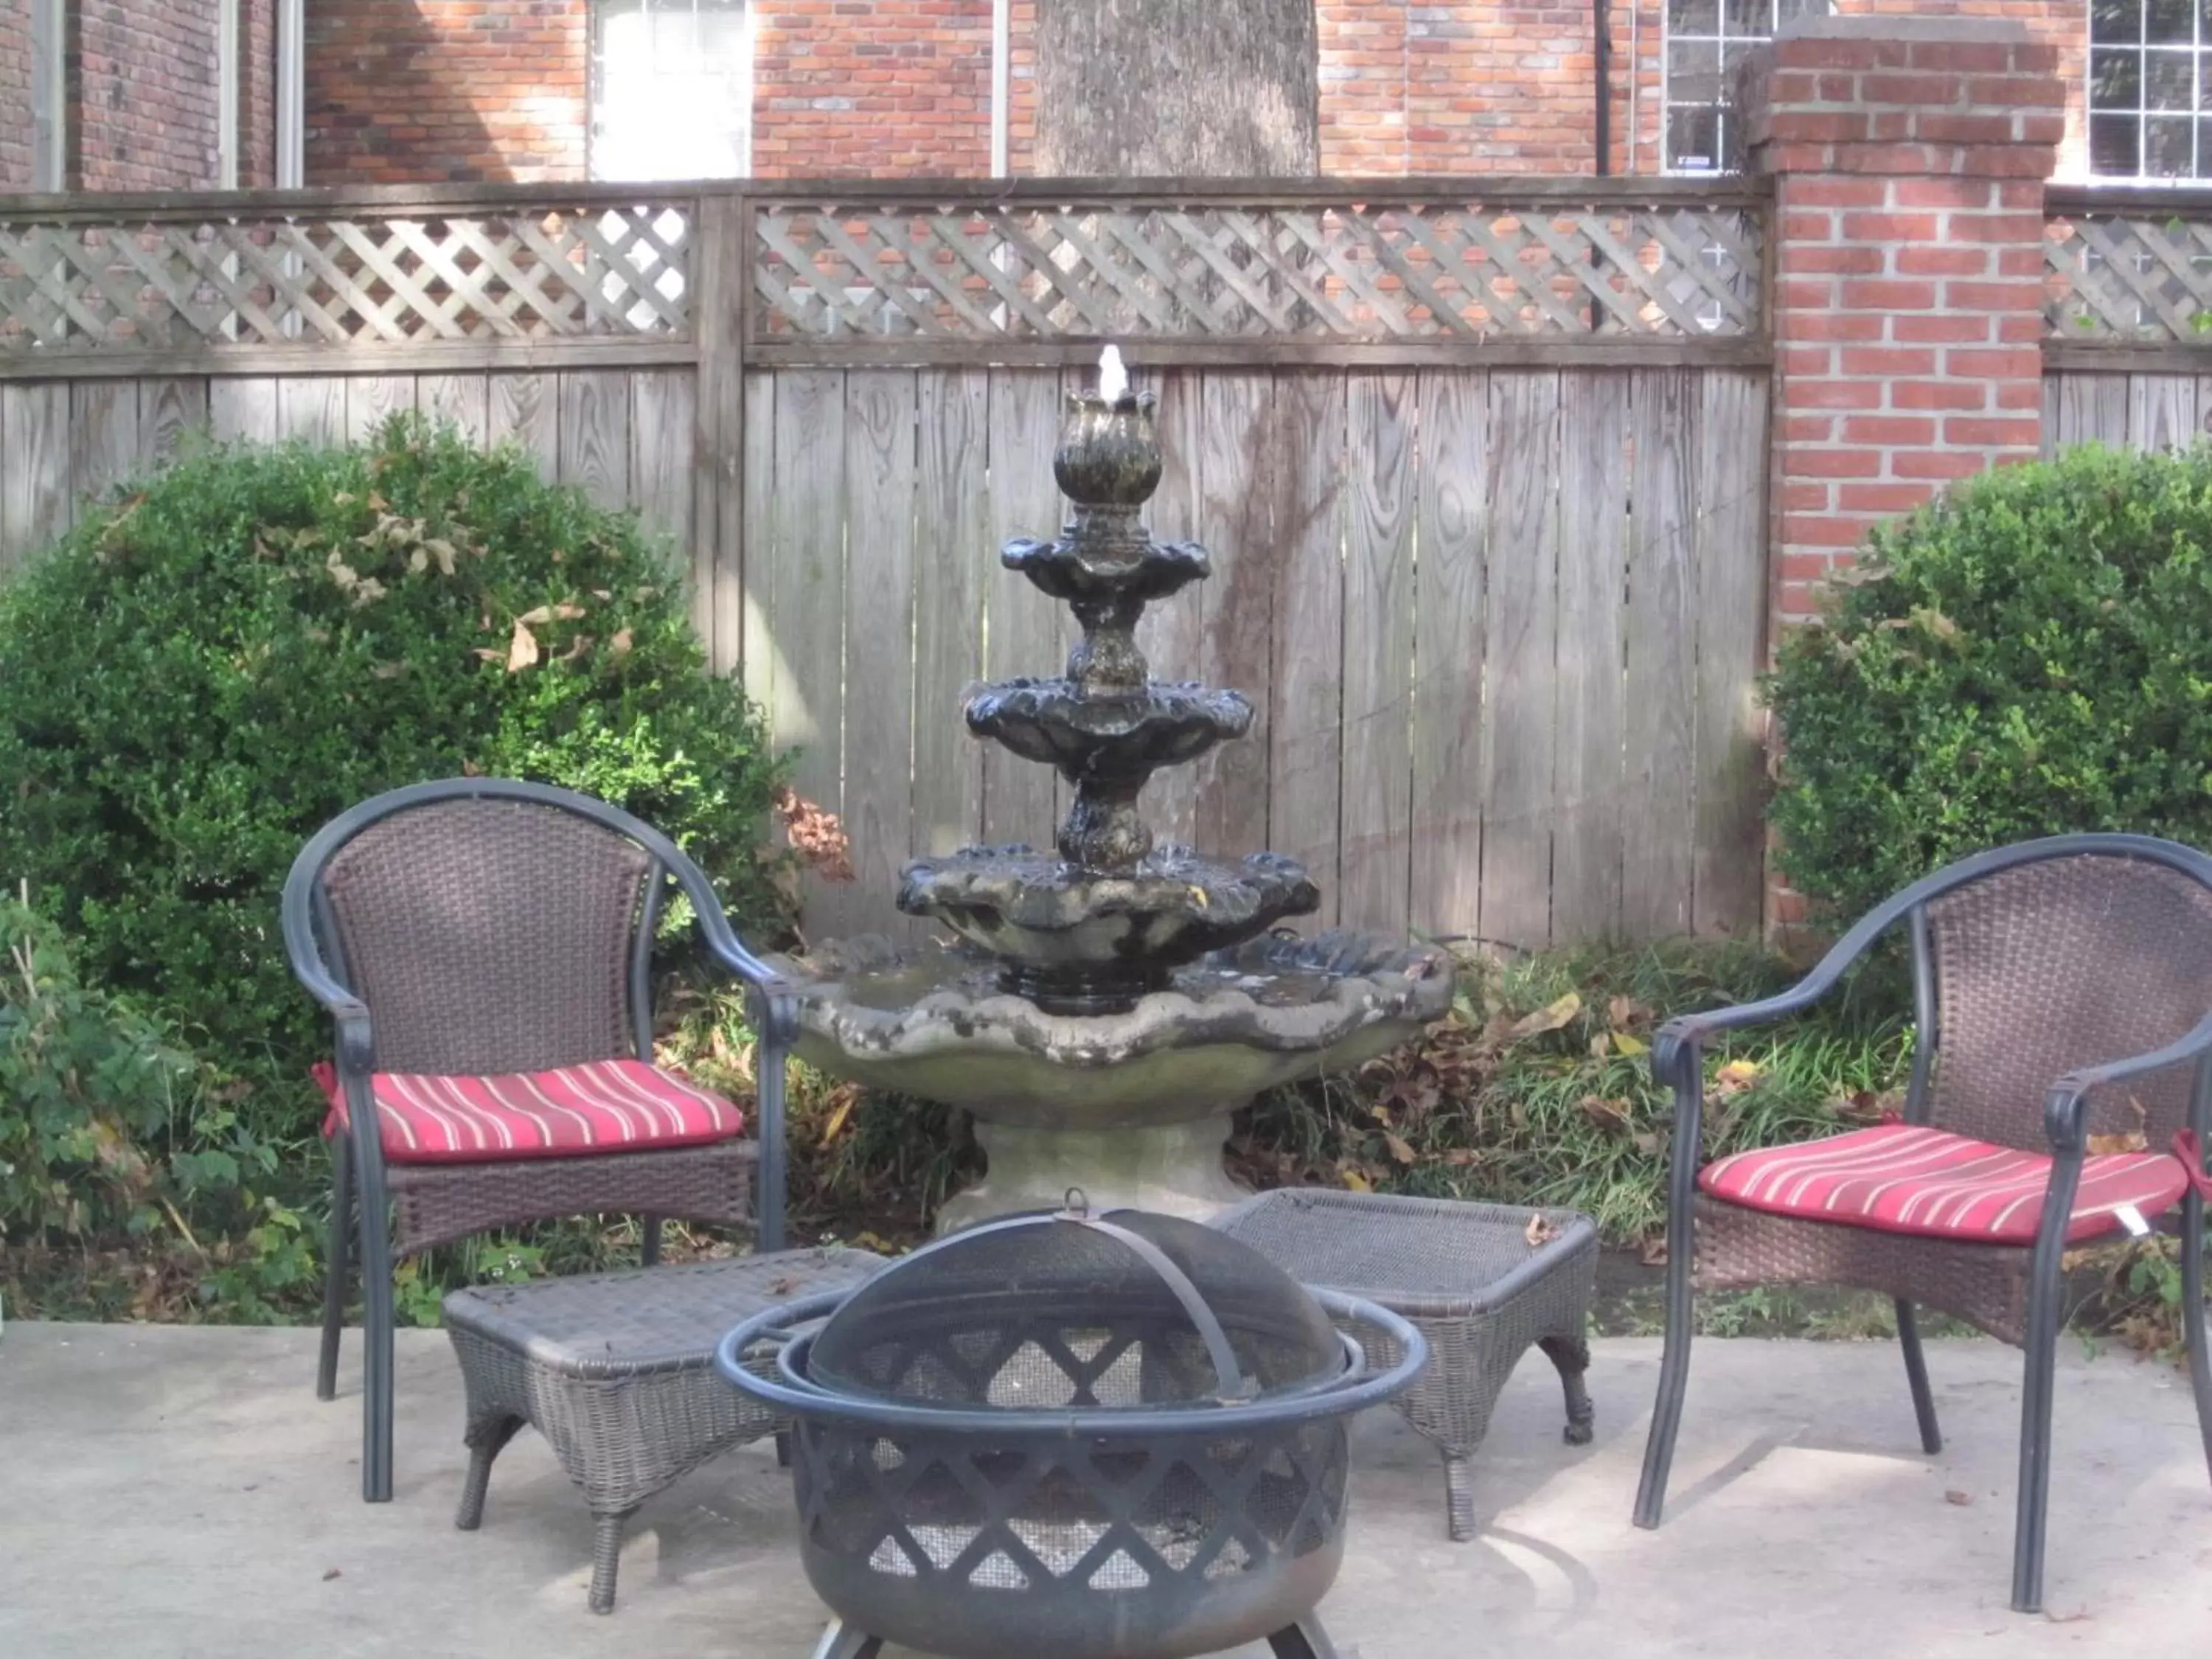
[(1909, 157)]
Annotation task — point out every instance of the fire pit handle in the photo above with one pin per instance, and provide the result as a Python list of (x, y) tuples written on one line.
[(1235, 1385)]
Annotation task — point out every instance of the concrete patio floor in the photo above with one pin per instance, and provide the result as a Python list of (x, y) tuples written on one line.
[(180, 1492)]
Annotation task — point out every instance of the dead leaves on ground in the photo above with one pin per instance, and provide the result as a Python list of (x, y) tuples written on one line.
[(2127, 1140), (816, 833)]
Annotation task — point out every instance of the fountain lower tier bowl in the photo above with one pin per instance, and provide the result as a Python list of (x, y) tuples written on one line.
[(1056, 724), (1132, 1108), (1081, 941)]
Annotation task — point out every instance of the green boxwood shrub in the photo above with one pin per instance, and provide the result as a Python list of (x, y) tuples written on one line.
[(2030, 654), (206, 669)]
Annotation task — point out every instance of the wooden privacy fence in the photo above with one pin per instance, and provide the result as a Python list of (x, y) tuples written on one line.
[(1481, 467)]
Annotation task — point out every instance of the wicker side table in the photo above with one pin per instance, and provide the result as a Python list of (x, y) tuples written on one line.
[(617, 1370), (1467, 1275)]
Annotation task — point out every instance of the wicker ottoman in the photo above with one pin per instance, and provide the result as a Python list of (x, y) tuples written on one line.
[(617, 1370), (1465, 1273)]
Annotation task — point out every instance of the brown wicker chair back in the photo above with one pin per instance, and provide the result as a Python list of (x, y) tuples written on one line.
[(490, 935), (2047, 967)]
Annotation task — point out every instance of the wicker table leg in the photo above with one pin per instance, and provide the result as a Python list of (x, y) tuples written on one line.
[(1570, 1355), (1459, 1493), (606, 1556), (1304, 1640), (485, 1437)]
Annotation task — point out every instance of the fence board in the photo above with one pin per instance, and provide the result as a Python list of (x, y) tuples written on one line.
[(1520, 657), (879, 606), (1373, 859), (2162, 411), (1305, 755), (103, 437), (370, 400), (463, 400), (743, 573), (662, 427), (1589, 830), (595, 419), (1729, 866), (169, 408), (525, 411), (804, 593), (1022, 630), (1662, 655), (1238, 481), (311, 408), (953, 563), (1172, 634), (35, 502), (1452, 534), (243, 408), (2093, 409)]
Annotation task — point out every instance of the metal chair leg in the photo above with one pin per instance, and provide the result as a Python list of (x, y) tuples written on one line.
[(2192, 1317), (649, 1255), (1915, 1373), (842, 1641), (337, 1250), (1569, 1357), (1674, 1378), (2043, 1291), (606, 1557), (1304, 1640), (376, 1344)]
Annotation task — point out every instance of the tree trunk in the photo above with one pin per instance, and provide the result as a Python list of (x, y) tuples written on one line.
[(1177, 88)]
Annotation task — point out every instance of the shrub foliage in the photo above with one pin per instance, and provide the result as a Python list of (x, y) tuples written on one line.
[(208, 668), (2030, 654)]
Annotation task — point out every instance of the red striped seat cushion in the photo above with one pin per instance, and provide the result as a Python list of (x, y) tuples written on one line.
[(1902, 1178), (606, 1106)]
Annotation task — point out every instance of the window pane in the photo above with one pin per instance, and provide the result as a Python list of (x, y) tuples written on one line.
[(2169, 80), (2116, 80), (1694, 139), (670, 98), (2167, 148), (2113, 141), (1788, 11), (1693, 72), (2168, 20), (2118, 23), (1693, 16)]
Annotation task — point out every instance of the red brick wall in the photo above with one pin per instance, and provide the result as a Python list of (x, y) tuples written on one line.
[(143, 94), (859, 86), (427, 90), (16, 126)]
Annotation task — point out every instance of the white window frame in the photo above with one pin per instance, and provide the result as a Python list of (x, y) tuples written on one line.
[(1726, 33), (2196, 53), (226, 99), (743, 70), (49, 96)]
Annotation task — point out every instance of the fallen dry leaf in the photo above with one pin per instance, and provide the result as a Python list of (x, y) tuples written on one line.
[(1625, 1044), (781, 1287), (1652, 1253), (522, 647), (814, 834), (2128, 1140), (1607, 1114), (620, 643), (1961, 1498), (1549, 1017), (330, 1573), (1399, 1150), (1357, 1182), (1540, 1230), (1735, 1077)]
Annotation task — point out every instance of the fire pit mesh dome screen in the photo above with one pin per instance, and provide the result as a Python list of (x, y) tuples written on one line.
[(1051, 1312)]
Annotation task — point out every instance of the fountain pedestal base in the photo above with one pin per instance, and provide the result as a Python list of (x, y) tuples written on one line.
[(1169, 1168)]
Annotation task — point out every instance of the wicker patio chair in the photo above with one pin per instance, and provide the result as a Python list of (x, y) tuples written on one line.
[(485, 947), (2072, 974)]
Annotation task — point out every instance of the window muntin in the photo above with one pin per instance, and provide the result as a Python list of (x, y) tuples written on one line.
[(2150, 89), (1706, 41)]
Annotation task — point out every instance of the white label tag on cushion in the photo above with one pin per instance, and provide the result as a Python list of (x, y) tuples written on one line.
[(2132, 1219)]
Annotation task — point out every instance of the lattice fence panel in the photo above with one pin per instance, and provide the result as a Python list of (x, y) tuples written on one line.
[(2129, 276), (1381, 272), (542, 273)]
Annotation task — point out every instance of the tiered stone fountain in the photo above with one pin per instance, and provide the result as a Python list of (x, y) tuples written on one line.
[(1108, 1004)]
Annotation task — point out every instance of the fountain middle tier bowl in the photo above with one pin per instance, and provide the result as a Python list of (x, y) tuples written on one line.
[(932, 1021), (1081, 940), (1054, 722)]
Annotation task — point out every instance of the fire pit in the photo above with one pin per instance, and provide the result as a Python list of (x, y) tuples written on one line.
[(1118, 1435)]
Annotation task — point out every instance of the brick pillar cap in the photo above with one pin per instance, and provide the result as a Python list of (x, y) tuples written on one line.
[(1972, 30)]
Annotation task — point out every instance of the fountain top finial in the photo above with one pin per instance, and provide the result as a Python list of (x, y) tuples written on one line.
[(1113, 377)]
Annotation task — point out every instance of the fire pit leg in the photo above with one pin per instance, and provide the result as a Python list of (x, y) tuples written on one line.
[(840, 1641), (1304, 1640)]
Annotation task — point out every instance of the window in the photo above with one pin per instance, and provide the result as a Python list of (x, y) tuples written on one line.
[(671, 88), (2150, 89), (1706, 41)]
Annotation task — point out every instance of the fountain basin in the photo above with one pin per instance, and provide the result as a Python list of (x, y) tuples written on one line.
[(1092, 942), (1129, 1106), (1055, 722)]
